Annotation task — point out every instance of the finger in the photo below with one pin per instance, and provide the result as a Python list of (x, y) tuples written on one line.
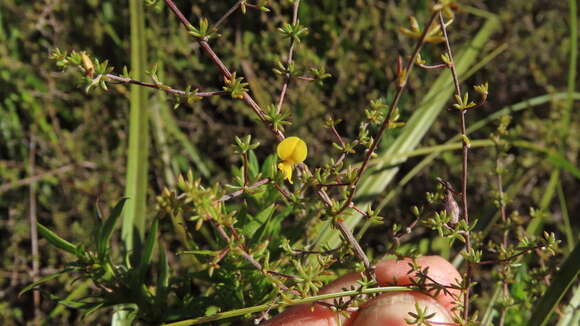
[(305, 315), (395, 272), (316, 314), (392, 309)]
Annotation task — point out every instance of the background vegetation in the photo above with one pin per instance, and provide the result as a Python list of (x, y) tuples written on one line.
[(63, 152)]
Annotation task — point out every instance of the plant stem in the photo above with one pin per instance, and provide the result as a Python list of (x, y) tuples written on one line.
[(502, 210), (241, 191), (394, 103), (464, 166), (249, 310), (227, 14), (32, 220), (125, 80), (510, 258), (290, 55)]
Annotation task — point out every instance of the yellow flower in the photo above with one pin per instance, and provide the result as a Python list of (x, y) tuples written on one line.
[(291, 150)]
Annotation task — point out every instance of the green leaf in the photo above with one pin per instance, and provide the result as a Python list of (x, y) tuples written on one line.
[(55, 240), (138, 153), (92, 307), (106, 228), (269, 166), (255, 222), (562, 281), (271, 228), (254, 166), (78, 305), (163, 277), (148, 249), (43, 280), (80, 290)]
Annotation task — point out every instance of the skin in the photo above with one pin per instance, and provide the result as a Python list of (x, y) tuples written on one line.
[(389, 309)]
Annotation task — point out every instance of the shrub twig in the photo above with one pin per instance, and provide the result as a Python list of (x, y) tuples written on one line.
[(385, 124), (165, 88), (464, 167), (290, 57)]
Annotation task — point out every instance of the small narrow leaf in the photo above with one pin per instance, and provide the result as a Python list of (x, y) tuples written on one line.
[(55, 240), (148, 249), (163, 278), (43, 280), (106, 229)]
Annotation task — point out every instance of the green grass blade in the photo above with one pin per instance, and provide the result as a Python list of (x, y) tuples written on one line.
[(562, 281), (137, 158), (571, 313), (567, 227), (137, 163), (552, 157), (567, 114)]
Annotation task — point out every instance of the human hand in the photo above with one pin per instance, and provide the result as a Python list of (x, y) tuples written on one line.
[(388, 309)]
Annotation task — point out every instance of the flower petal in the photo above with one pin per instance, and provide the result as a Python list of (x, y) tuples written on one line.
[(300, 151), (286, 168), (292, 149)]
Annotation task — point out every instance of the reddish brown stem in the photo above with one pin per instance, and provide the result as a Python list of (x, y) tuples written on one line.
[(241, 191), (385, 124), (510, 258), (125, 80), (464, 168), (227, 14), (290, 55)]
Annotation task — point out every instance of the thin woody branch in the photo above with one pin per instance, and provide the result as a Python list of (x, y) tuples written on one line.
[(227, 14), (165, 88), (385, 124), (241, 191), (464, 167), (287, 77), (510, 258)]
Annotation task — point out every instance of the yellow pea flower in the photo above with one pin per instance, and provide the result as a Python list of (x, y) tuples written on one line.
[(291, 150)]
